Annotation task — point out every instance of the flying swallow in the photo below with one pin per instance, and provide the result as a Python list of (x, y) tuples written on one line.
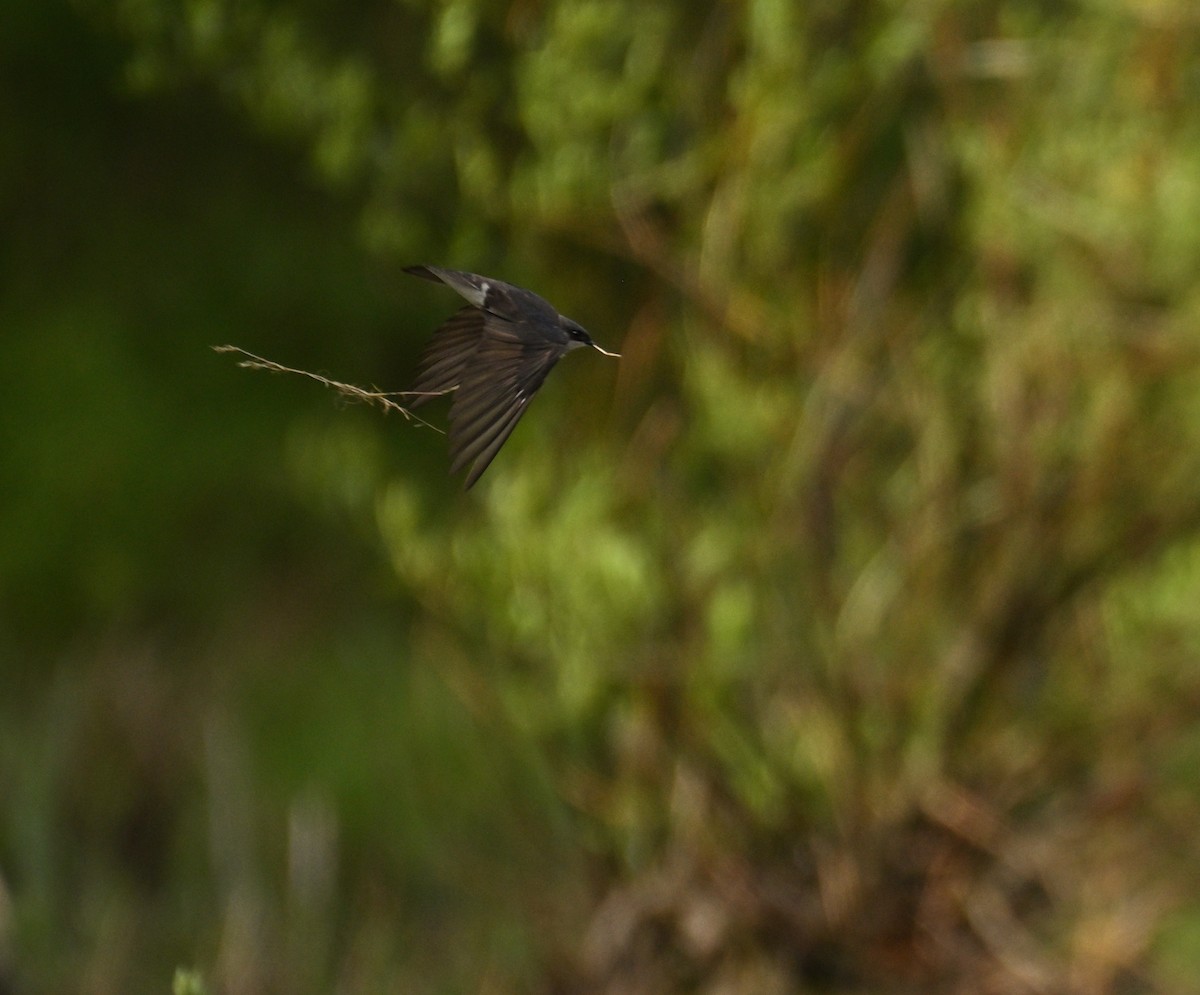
[(493, 355)]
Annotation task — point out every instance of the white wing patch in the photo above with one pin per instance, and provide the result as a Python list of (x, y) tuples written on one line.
[(475, 293)]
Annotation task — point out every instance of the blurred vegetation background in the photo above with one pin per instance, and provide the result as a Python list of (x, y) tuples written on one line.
[(842, 638)]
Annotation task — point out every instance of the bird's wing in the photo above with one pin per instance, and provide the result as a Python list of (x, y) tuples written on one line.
[(447, 355), (502, 299), (497, 384), (470, 285)]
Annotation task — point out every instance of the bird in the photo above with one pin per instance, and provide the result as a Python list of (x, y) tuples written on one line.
[(493, 355)]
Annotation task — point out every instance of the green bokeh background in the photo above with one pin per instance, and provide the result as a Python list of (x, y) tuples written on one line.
[(843, 637)]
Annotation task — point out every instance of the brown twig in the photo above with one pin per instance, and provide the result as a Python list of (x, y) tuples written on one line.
[(383, 399)]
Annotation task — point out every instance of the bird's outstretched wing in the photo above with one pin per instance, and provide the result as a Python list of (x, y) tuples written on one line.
[(447, 355), (472, 286), (491, 295), (496, 384)]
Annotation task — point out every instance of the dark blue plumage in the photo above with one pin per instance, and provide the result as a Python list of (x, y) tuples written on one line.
[(493, 355)]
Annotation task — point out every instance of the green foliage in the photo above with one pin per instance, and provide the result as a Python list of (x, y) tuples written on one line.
[(845, 644), (188, 983)]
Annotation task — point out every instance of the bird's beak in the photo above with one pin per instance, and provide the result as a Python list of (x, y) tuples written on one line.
[(605, 352)]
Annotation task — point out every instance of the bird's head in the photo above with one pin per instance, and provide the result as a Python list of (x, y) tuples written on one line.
[(577, 336)]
